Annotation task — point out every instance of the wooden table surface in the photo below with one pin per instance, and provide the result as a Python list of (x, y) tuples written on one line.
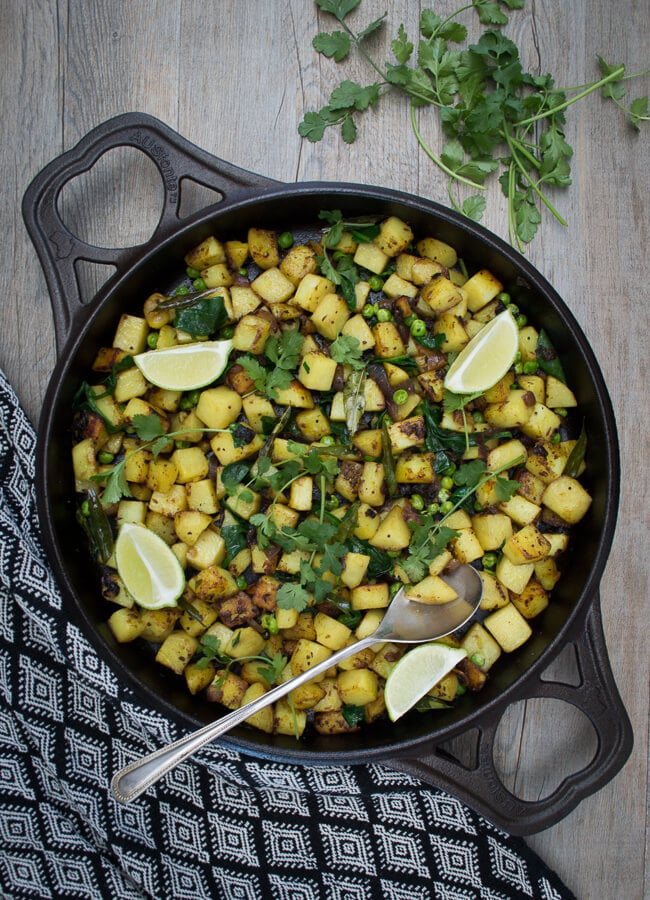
[(236, 78)]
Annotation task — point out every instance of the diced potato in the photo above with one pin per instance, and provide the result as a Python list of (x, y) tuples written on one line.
[(218, 407), (251, 334), (511, 413), (467, 546), (372, 486), (273, 286), (546, 461), (506, 454), (244, 502), (357, 327), (367, 522), (526, 545), (407, 433), (333, 721), (368, 441), (370, 256), (357, 687), (298, 262), (547, 573), (330, 315), (514, 578), (236, 253), (482, 287), (227, 689), (441, 252), (126, 625), (207, 253), (256, 409), (528, 338), (263, 247), (243, 301), (520, 510), (224, 447), (370, 596), (508, 627), (542, 423), (394, 286), (306, 654), (202, 496), (190, 524), (296, 395), (432, 589), (161, 474), (263, 720), (415, 468), (301, 493), (492, 529), (311, 290), (452, 328), (394, 236), (501, 390), (176, 651), (330, 632), (393, 533), (567, 498), (168, 503), (477, 641), (532, 601), (317, 371), (245, 641), (559, 394), (191, 464), (495, 594), (214, 583), (197, 678), (423, 270), (217, 276), (441, 294), (388, 341), (131, 383), (131, 334)]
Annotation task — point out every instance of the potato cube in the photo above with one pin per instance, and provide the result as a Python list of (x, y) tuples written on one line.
[(243, 301), (466, 546), (191, 464), (514, 578), (189, 524), (296, 396), (567, 498), (198, 678), (244, 502), (330, 632), (408, 433), (263, 247), (394, 287), (558, 394), (317, 371), (251, 333), (455, 336), (158, 623), (546, 461), (217, 276), (478, 641), (511, 413), (168, 503), (542, 423), (357, 687), (441, 294), (218, 407), (207, 253), (214, 583), (547, 573), (236, 253), (311, 290), (126, 625), (227, 689), (306, 654), (506, 454), (131, 334), (495, 595), (415, 468), (492, 529), (161, 474), (432, 589), (330, 315), (532, 601), (202, 496), (367, 522), (393, 532), (501, 390), (176, 651), (224, 448), (244, 641), (394, 236), (482, 287), (129, 384), (388, 341), (209, 549), (437, 250), (372, 486), (301, 493), (508, 627), (357, 327), (273, 286), (355, 566), (520, 510), (526, 545), (370, 596), (371, 257)]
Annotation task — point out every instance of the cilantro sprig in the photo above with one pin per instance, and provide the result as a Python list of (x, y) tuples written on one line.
[(496, 117)]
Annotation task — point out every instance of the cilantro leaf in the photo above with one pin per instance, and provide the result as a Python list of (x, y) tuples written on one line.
[(338, 8), (505, 488), (335, 45), (148, 428), (292, 596), (255, 371), (401, 46), (347, 349)]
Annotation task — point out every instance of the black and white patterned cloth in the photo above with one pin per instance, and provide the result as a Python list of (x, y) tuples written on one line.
[(223, 826)]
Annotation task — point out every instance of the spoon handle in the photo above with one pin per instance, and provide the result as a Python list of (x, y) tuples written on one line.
[(133, 779)]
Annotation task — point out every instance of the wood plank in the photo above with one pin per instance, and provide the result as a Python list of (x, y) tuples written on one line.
[(237, 83)]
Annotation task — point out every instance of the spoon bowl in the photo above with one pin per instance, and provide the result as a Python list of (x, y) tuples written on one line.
[(404, 622)]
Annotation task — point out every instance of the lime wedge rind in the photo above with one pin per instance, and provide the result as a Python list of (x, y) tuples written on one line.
[(487, 357), (185, 367), (416, 673)]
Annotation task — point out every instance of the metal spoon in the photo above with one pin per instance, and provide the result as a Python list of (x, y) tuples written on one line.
[(405, 622)]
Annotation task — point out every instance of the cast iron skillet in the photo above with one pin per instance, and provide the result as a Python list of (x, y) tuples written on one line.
[(249, 199)]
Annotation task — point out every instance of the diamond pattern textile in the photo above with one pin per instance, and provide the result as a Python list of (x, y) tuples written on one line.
[(222, 827)]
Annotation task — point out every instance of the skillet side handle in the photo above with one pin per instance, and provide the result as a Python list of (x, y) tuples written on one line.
[(596, 696), (176, 158)]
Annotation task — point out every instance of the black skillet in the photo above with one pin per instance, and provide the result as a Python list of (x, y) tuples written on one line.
[(573, 618)]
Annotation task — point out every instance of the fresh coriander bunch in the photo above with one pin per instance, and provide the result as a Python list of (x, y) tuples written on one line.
[(498, 120)]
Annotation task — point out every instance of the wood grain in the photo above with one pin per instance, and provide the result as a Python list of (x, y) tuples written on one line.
[(236, 78)]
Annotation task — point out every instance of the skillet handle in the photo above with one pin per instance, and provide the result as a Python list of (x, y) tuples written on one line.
[(596, 696), (176, 158)]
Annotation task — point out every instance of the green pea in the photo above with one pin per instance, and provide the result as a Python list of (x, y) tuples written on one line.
[(384, 315), (241, 582), (489, 560), (517, 358), (561, 411), (199, 284), (394, 588), (433, 508), (417, 502), (446, 482), (192, 272), (450, 469), (152, 340), (418, 328), (285, 240), (461, 689), (521, 320), (557, 437), (443, 495), (400, 396), (189, 400), (85, 508), (328, 440), (410, 319), (242, 270), (105, 458), (181, 290), (333, 502), (182, 445), (226, 332), (270, 623), (478, 416), (478, 659), (376, 283), (369, 310), (446, 507), (504, 297), (519, 369), (530, 367), (514, 309)]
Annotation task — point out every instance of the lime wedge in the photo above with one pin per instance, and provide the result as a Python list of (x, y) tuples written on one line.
[(416, 673), (148, 568), (186, 367), (487, 357)]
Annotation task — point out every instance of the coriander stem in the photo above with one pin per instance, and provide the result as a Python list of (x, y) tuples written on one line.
[(436, 159), (613, 76), (542, 196)]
